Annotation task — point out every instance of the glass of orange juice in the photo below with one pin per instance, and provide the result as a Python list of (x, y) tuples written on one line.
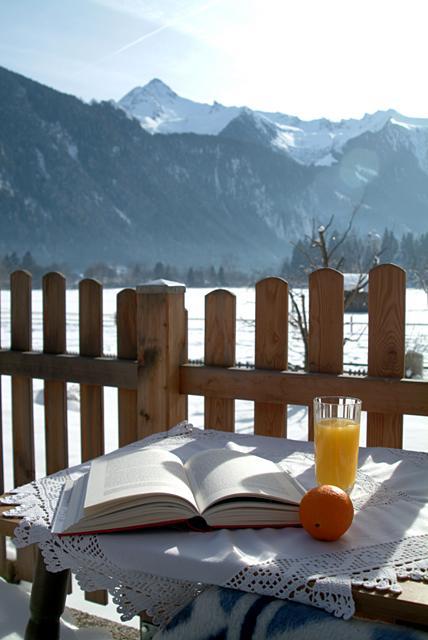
[(337, 434)]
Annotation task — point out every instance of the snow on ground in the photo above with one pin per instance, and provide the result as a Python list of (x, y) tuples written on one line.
[(355, 357), (14, 603), (415, 427)]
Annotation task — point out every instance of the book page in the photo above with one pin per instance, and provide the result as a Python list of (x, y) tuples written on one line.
[(70, 504), (143, 472), (218, 474)]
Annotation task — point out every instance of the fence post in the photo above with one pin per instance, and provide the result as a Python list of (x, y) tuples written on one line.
[(387, 321), (127, 348), (325, 340), (271, 349), (161, 349), (91, 395), (220, 344), (3, 558), (22, 401), (55, 393)]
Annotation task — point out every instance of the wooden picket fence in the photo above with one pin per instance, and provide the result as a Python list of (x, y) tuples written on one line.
[(154, 378)]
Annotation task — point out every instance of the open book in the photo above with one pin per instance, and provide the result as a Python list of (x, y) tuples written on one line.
[(153, 487)]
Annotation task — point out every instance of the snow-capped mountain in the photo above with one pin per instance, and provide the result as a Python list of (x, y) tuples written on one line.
[(160, 110), (84, 183), (309, 142)]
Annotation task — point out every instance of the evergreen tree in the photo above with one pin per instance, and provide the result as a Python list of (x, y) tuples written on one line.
[(407, 251), (222, 277), (28, 262), (190, 277), (159, 270), (421, 251), (299, 261), (389, 247), (212, 276)]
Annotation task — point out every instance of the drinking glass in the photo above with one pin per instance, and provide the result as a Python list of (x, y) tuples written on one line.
[(337, 435)]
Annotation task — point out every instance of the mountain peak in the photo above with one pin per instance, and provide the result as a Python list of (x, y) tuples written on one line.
[(154, 91), (252, 127), (158, 86), (160, 110), (309, 142)]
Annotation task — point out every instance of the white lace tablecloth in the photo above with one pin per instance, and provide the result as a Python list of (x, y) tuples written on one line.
[(160, 571)]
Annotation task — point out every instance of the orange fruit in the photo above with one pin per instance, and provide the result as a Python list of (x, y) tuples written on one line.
[(326, 512)]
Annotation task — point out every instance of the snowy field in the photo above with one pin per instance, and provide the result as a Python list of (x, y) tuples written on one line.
[(415, 428)]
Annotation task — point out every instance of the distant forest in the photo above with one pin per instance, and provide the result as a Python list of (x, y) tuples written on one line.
[(356, 254)]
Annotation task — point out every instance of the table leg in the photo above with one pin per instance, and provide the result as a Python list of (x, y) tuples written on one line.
[(47, 602)]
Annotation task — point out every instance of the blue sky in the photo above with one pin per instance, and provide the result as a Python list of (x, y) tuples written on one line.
[(311, 58)]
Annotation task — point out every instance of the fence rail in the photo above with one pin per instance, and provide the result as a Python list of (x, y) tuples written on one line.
[(380, 395), (105, 371), (153, 376)]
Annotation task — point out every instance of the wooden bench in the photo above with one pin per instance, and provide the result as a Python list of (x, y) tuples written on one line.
[(154, 378)]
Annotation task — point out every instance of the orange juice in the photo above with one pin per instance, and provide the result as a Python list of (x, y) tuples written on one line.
[(336, 451)]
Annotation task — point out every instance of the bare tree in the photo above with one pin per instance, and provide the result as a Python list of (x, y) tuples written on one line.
[(327, 255), (421, 275), (298, 319)]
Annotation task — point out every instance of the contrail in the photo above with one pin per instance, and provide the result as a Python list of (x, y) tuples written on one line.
[(167, 25)]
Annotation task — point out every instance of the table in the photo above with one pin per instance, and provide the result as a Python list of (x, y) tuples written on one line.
[(161, 571)]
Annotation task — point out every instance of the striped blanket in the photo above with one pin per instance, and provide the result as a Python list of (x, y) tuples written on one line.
[(225, 614)]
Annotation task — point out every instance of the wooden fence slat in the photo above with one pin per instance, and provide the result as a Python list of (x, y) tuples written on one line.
[(91, 344), (22, 402), (271, 349), (220, 341), (325, 338), (161, 348), (387, 296), (127, 348), (1, 445), (3, 558), (55, 392), (185, 359), (91, 396), (1, 429)]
